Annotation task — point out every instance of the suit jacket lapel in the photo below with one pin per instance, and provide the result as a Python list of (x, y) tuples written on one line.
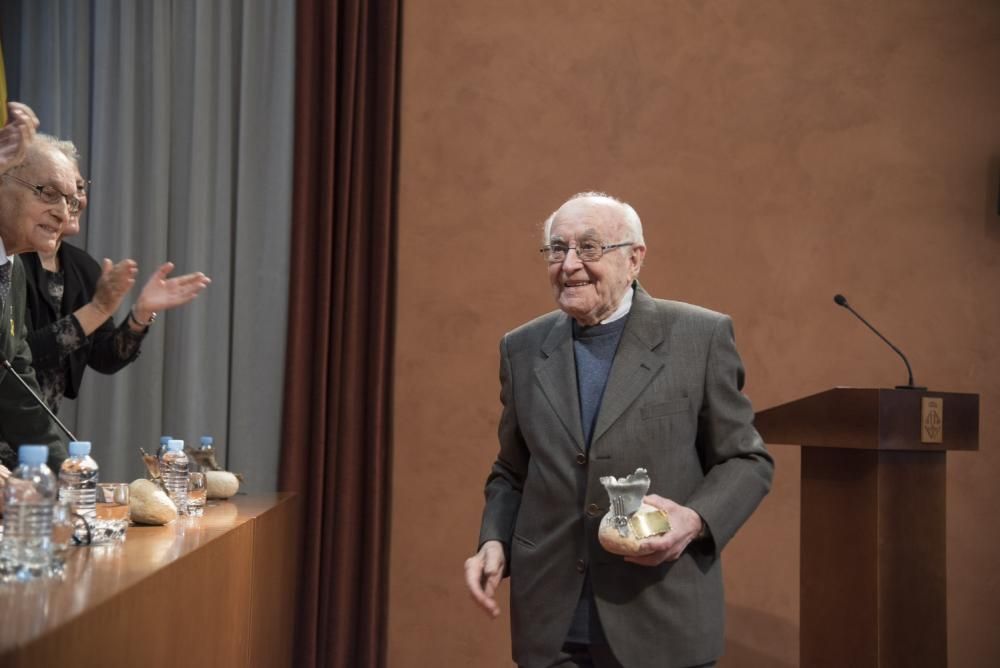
[(635, 363), (556, 374)]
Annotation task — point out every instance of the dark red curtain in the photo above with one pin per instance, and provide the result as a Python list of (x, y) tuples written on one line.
[(338, 386)]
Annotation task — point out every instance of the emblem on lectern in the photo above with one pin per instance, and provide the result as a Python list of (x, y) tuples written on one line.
[(931, 420)]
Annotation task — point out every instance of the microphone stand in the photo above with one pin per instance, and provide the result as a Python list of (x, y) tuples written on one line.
[(841, 300), (7, 365)]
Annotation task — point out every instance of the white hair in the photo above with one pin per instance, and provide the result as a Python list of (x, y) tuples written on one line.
[(67, 148), (43, 142), (629, 216)]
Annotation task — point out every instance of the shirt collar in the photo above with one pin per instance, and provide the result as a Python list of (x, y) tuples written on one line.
[(624, 306)]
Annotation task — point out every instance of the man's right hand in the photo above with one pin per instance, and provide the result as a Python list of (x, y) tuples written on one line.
[(16, 134), (483, 573)]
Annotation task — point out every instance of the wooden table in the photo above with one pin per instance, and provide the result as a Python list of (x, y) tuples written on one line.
[(218, 590)]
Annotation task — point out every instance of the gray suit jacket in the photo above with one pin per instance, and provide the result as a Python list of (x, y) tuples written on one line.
[(673, 406), (22, 420)]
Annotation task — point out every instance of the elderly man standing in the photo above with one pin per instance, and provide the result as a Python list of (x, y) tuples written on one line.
[(612, 381), (37, 196)]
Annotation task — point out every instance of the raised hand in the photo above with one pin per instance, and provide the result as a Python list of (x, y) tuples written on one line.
[(17, 134), (161, 293), (115, 281)]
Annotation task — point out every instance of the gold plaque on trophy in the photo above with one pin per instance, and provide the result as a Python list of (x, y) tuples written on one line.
[(648, 522)]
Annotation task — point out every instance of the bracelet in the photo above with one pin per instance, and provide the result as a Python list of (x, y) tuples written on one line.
[(131, 314)]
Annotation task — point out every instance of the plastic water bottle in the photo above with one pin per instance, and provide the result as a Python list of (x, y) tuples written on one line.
[(78, 479), (206, 455), (29, 496), (163, 446), (174, 469)]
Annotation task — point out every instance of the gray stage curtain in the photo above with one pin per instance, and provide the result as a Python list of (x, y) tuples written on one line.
[(183, 112)]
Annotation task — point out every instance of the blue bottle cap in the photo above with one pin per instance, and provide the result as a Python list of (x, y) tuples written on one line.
[(206, 441), (175, 444), (79, 448), (32, 454)]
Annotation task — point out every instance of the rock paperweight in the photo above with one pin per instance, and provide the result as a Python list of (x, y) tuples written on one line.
[(149, 504), (222, 484)]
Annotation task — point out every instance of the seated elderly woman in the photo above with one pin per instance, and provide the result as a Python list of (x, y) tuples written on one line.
[(71, 301)]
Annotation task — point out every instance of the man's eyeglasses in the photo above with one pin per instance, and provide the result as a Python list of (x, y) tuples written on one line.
[(49, 194), (587, 251)]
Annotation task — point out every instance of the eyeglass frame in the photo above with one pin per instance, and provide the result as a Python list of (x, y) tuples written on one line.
[(72, 202), (604, 249)]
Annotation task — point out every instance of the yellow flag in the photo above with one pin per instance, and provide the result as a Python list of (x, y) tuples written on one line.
[(3, 92)]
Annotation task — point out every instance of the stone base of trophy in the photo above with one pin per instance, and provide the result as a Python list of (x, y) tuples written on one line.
[(648, 521)]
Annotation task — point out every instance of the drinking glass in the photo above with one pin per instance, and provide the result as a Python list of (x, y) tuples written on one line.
[(197, 493), (62, 535), (111, 516)]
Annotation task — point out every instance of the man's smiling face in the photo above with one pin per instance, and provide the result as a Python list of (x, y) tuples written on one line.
[(591, 291), (26, 222)]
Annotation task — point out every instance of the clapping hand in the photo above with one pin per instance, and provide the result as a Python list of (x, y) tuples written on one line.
[(161, 293), (16, 134), (115, 281)]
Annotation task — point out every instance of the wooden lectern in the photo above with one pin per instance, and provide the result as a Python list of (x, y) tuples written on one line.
[(872, 584)]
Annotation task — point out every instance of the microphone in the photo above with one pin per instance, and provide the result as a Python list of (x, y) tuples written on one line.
[(7, 365), (841, 300)]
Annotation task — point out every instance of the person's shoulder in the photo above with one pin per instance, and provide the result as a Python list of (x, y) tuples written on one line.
[(681, 310), (69, 252), (677, 318), (73, 256), (25, 268), (28, 263), (535, 330)]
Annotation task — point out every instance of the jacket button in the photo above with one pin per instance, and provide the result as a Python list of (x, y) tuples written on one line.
[(580, 566), (593, 510), (581, 458)]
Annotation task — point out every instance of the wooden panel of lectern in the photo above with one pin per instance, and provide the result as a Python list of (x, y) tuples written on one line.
[(872, 588)]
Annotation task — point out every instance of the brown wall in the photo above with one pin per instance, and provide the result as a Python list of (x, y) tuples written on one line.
[(778, 153)]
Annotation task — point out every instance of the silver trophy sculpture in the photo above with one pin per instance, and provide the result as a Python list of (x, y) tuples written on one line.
[(630, 521)]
